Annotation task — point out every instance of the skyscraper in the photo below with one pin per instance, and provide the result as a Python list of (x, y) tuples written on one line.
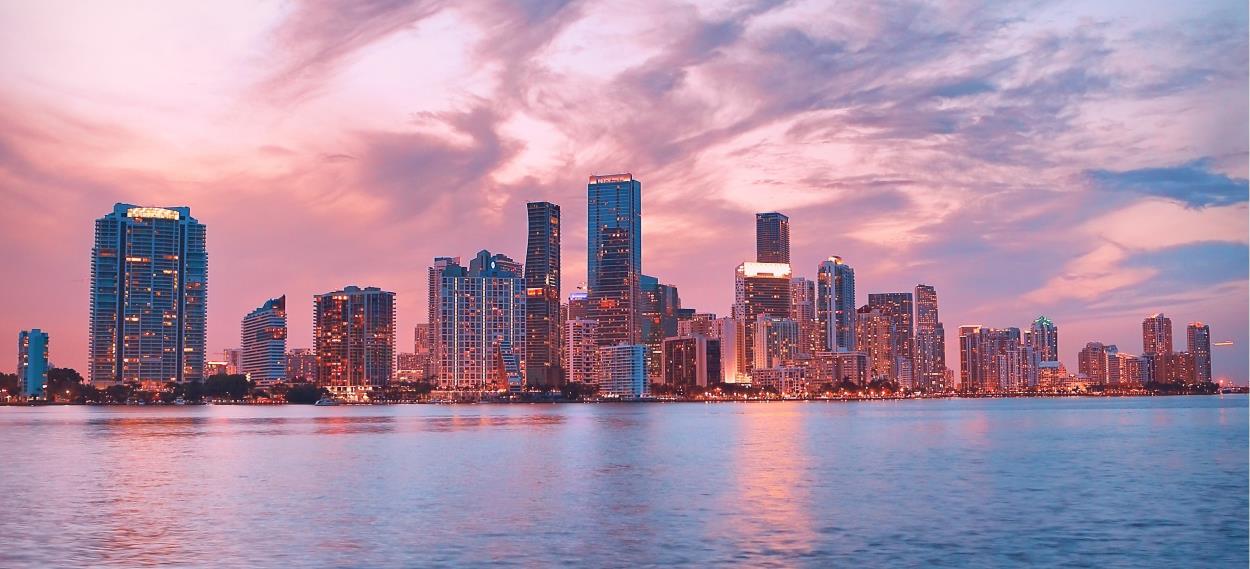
[(542, 295), (481, 312), (149, 296), (835, 304), (263, 340), (32, 362), (1198, 343), (778, 341), (803, 311), (613, 203), (760, 288), (971, 372), (691, 361), (1044, 337), (616, 296), (1156, 334), (772, 238), (874, 336), (930, 341), (1099, 362), (354, 335), (434, 286), (897, 307)]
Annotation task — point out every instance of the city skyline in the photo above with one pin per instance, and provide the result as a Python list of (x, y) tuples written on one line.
[(1095, 239)]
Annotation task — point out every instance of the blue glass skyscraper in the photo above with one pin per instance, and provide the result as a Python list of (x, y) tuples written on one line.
[(149, 296), (613, 202)]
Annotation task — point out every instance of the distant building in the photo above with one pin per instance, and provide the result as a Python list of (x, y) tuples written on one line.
[(1098, 362), (760, 288), (622, 370), (972, 371), (234, 360), (263, 337), (1129, 371), (32, 362), (835, 367), (835, 305), (354, 333), (301, 365), (616, 297), (898, 308), (1156, 331), (659, 312), (772, 238), (732, 349), (778, 341), (409, 367), (481, 313), (692, 361), (423, 351), (1199, 345), (613, 203), (212, 368), (1044, 337), (704, 324), (803, 311), (542, 296), (785, 380), (582, 351), (433, 306), (930, 360), (874, 336), (1180, 367), (149, 294)]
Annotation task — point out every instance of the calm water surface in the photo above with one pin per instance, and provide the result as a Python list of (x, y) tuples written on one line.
[(1129, 482)]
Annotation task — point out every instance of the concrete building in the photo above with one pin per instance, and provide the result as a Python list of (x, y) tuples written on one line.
[(354, 334), (301, 365), (835, 305), (930, 369), (692, 361), (772, 238), (898, 308), (542, 296), (582, 351), (1198, 336), (481, 315), (760, 289)]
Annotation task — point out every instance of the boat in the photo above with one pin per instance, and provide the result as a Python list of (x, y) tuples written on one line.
[(326, 402), (180, 401)]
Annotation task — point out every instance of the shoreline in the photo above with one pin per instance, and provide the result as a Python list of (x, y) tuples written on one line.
[(647, 400)]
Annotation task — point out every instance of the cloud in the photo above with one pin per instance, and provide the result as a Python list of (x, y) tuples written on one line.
[(1192, 184)]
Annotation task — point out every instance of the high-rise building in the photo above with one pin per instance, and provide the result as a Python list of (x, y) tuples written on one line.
[(1044, 337), (621, 370), (613, 203), (772, 238), (581, 353), (660, 305), (301, 365), (1130, 370), (1180, 367), (263, 340), (423, 350), (874, 336), (897, 307), (579, 305), (803, 311), (542, 296), (234, 360), (354, 334), (434, 288), (835, 305), (1156, 333), (32, 362), (784, 380), (616, 298), (971, 372), (732, 349), (1006, 361), (1098, 362), (930, 367), (481, 313), (778, 341), (1198, 336), (760, 288), (691, 361), (149, 296)]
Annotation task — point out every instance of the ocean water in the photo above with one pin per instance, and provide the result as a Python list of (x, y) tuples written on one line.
[(1107, 482)]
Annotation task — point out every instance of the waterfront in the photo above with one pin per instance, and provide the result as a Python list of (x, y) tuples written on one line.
[(1106, 482)]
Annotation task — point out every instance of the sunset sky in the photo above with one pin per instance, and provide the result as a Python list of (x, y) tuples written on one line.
[(1082, 160)]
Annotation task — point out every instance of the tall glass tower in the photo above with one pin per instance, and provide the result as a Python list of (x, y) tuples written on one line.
[(149, 296), (772, 238), (613, 202), (835, 304), (263, 341), (542, 295)]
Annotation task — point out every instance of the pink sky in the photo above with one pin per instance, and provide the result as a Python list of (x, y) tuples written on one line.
[(1087, 161)]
